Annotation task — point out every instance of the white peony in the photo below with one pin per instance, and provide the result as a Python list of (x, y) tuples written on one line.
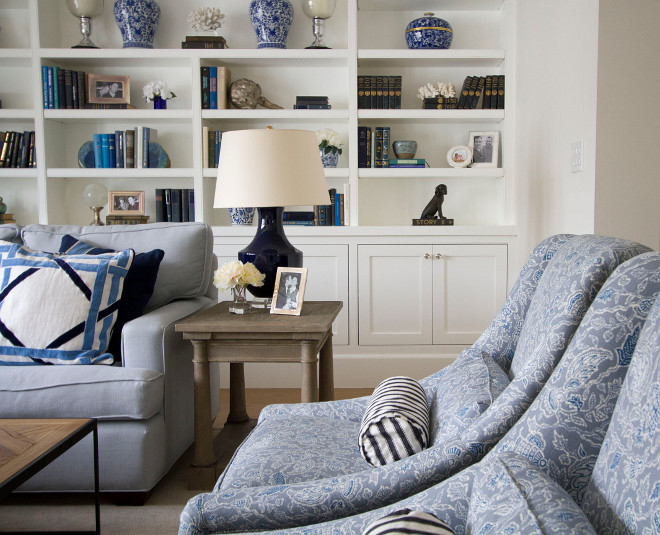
[(157, 88), (328, 140), (236, 273)]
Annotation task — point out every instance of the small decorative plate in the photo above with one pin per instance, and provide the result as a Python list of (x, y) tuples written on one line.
[(459, 156), (86, 155)]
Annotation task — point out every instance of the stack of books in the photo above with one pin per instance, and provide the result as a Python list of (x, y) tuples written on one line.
[(17, 149), (311, 102), (204, 41), (409, 162), (63, 88), (440, 103), (7, 218), (126, 219), (215, 82), (382, 92), (482, 92), (123, 148), (175, 205)]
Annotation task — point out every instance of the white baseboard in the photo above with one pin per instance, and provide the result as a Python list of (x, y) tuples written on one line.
[(351, 370)]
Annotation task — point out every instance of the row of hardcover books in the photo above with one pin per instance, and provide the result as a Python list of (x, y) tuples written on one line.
[(482, 92), (211, 142), (123, 148), (17, 149), (63, 88), (380, 92), (215, 82), (175, 205), (335, 213)]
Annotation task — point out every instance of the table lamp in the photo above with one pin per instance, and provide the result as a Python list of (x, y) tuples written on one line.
[(270, 169), (318, 11)]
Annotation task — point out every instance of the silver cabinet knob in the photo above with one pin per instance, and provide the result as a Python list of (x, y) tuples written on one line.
[(438, 256), (427, 256)]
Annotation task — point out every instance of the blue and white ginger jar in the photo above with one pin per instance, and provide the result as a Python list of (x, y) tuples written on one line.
[(329, 159), (137, 21), (271, 20), (429, 32), (241, 216)]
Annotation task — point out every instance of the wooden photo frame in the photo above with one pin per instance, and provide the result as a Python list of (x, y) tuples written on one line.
[(126, 203), (108, 89), (485, 148), (289, 291)]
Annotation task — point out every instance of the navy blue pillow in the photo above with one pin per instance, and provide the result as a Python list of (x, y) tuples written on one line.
[(138, 285)]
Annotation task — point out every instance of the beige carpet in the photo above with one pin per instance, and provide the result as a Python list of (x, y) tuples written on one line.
[(159, 516)]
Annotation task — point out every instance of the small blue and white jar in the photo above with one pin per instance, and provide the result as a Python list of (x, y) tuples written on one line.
[(137, 21), (429, 32), (241, 216), (329, 159), (271, 20)]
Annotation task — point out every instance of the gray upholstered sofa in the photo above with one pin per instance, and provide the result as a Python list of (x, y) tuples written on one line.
[(144, 402)]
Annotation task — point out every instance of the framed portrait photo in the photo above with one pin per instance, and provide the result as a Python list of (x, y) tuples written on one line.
[(126, 203), (485, 148), (289, 291), (459, 156), (108, 89)]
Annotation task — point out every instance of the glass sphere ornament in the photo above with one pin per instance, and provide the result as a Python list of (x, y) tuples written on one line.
[(96, 197)]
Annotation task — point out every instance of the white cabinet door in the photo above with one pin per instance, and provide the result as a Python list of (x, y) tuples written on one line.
[(327, 278), (428, 294), (395, 294), (469, 287)]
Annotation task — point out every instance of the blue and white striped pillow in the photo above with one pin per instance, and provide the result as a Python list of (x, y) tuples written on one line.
[(58, 309), (396, 422), (406, 522)]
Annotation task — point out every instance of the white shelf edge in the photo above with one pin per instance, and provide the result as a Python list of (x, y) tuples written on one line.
[(373, 230), (330, 172), (18, 172), (431, 172), (433, 115), (9, 114), (15, 53), (260, 113), (72, 172), (426, 5), (413, 55), (123, 115)]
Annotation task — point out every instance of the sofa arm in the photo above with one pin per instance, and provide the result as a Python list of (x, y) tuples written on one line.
[(143, 339), (342, 409)]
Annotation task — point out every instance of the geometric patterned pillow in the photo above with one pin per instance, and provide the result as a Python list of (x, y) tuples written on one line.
[(58, 309), (406, 521), (396, 422)]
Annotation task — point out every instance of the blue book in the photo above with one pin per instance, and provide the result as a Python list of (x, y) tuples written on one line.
[(105, 151), (337, 209), (98, 154), (51, 94), (213, 88), (176, 205), (112, 151), (44, 84), (191, 205), (146, 137), (56, 89), (119, 148), (218, 142)]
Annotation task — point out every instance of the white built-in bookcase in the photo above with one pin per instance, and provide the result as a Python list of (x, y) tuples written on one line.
[(367, 37)]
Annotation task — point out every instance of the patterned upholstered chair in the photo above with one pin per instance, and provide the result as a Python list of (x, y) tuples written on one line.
[(585, 456), (283, 476)]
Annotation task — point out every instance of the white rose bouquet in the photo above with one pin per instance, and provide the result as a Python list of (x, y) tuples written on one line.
[(329, 140), (236, 273), (157, 88)]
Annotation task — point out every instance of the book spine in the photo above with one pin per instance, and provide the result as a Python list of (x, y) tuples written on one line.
[(298, 216), (218, 145), (130, 148), (191, 204), (500, 92), (347, 204), (25, 150), (409, 161), (312, 107), (32, 156), (200, 44), (139, 146), (378, 147), (404, 165), (488, 91), (205, 146), (331, 207), (176, 205), (374, 92), (184, 206), (168, 204), (222, 88), (146, 137), (119, 149), (322, 215), (4, 137), (367, 92), (213, 88), (75, 98), (56, 89), (81, 81), (391, 92), (211, 142), (44, 85), (385, 155), (51, 91), (205, 39), (464, 92), (379, 91), (204, 75), (61, 90), (360, 92), (16, 150), (363, 141), (478, 92), (123, 144), (68, 89), (98, 151), (105, 151), (160, 205)]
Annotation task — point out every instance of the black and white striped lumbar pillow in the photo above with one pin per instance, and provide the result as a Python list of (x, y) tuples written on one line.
[(407, 521), (396, 422)]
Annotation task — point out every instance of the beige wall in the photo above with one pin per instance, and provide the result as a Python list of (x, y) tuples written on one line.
[(556, 78), (627, 140)]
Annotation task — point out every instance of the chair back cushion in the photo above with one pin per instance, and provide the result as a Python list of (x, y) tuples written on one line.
[(10, 232), (623, 494), (186, 268)]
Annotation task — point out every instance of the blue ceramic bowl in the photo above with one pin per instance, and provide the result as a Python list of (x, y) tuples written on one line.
[(429, 32), (404, 149)]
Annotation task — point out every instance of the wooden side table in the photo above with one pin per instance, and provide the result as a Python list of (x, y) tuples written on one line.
[(219, 336)]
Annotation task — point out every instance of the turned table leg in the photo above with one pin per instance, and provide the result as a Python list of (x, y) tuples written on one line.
[(237, 408), (309, 391), (326, 371)]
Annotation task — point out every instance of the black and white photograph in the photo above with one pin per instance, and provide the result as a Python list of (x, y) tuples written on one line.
[(485, 148), (289, 291), (126, 203), (108, 89)]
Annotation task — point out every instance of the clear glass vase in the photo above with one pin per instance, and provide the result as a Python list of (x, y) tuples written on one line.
[(240, 304)]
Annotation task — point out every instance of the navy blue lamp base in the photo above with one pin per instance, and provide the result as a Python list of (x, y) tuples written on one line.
[(269, 250)]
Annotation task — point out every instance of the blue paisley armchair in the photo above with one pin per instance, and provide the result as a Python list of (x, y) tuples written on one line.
[(585, 457), (301, 465)]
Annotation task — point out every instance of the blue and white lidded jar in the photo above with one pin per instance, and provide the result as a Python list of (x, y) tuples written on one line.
[(241, 216), (429, 32), (137, 21), (271, 20)]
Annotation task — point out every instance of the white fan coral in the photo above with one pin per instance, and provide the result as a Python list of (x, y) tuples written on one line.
[(442, 89), (205, 19)]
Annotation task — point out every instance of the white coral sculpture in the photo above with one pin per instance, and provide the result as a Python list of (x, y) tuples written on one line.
[(205, 19), (442, 89)]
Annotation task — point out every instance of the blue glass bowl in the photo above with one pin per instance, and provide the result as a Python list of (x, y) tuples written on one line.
[(429, 32)]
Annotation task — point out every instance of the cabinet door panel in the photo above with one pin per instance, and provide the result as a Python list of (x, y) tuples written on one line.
[(469, 284), (395, 295)]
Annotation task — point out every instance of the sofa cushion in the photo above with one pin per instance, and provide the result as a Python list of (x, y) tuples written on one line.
[(106, 392), (405, 522), (186, 267), (58, 310), (511, 495), (396, 422), (10, 232), (138, 286)]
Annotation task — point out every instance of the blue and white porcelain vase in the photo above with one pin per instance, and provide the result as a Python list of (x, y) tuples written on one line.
[(429, 32), (137, 21), (329, 159), (271, 20), (241, 216)]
